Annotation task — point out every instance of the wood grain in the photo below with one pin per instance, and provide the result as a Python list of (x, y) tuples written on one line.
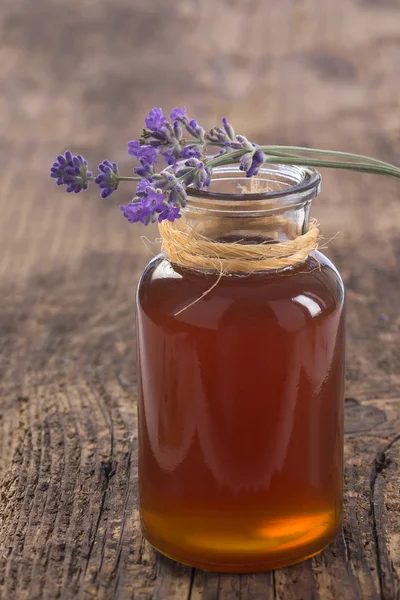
[(82, 75)]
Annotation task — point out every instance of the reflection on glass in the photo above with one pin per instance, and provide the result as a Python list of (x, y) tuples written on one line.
[(311, 305)]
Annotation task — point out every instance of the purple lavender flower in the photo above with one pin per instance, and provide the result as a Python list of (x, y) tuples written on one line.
[(173, 184), (195, 129), (147, 152), (246, 161), (145, 170), (178, 113), (200, 175), (203, 178), (108, 178), (71, 171), (155, 120), (170, 213), (258, 160), (163, 180), (153, 201), (134, 148), (169, 157), (239, 143), (160, 137), (149, 207), (244, 142), (191, 151), (178, 131), (167, 138), (229, 129), (218, 136), (142, 185), (177, 196), (134, 212)]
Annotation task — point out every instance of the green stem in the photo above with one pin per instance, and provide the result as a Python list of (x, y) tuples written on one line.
[(283, 150), (377, 168), (129, 178), (301, 149), (361, 167), (226, 159)]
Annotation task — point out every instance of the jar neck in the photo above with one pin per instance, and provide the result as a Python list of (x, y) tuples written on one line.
[(273, 206)]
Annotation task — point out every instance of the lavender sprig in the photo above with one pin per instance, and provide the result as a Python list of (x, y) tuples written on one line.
[(182, 143), (108, 178), (71, 171), (149, 206)]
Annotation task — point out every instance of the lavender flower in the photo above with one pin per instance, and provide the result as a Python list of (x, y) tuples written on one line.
[(201, 175), (203, 178), (153, 200), (134, 147), (178, 131), (142, 185), (240, 143), (149, 207), (145, 170), (108, 178), (173, 184), (229, 129), (178, 196), (244, 143), (147, 152), (169, 156), (155, 120), (217, 136), (165, 179), (159, 137), (258, 160), (71, 171), (134, 211), (167, 138), (191, 151), (170, 213), (246, 161), (178, 113), (194, 129)]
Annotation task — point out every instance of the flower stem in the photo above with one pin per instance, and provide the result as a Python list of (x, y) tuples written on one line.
[(281, 150), (374, 167), (349, 166)]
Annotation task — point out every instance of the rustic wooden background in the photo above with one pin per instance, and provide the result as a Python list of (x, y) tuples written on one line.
[(82, 74)]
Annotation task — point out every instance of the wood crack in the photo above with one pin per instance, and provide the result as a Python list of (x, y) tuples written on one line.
[(191, 584), (388, 580)]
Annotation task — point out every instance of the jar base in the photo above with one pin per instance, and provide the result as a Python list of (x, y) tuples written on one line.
[(237, 568), (233, 551)]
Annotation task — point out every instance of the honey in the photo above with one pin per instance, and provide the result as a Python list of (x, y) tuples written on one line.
[(241, 413)]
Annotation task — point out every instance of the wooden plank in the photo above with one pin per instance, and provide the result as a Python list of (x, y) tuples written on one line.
[(306, 72)]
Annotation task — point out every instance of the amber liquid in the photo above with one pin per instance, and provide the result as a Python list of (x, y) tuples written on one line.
[(241, 414)]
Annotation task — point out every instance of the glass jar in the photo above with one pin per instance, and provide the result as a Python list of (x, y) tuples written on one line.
[(241, 387)]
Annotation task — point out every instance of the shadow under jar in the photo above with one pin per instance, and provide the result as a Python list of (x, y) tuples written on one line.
[(241, 388)]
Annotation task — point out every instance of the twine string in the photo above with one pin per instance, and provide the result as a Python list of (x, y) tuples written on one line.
[(186, 247)]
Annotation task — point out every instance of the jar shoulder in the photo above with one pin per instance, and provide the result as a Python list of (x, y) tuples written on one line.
[(314, 283)]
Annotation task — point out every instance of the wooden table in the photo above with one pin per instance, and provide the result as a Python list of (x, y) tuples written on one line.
[(82, 74)]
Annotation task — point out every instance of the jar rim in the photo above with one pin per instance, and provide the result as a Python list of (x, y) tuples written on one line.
[(306, 184)]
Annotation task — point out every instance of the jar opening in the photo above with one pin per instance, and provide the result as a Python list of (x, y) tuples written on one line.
[(272, 182)]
